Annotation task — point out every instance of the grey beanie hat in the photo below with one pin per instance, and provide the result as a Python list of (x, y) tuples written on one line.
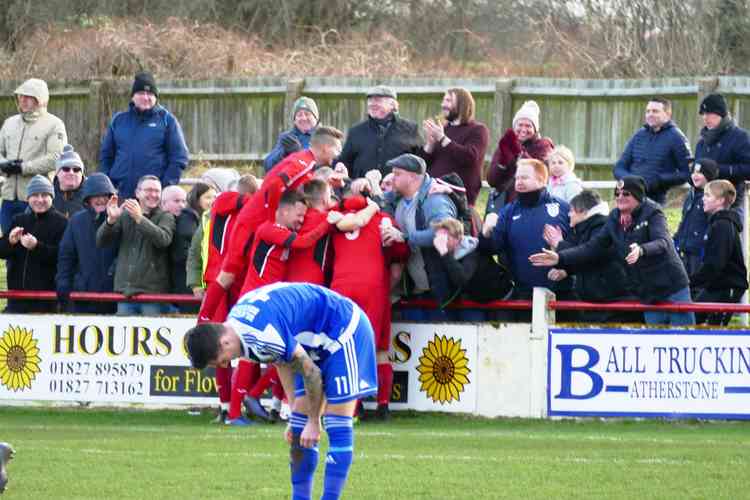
[(382, 91), (408, 162), (69, 158), (307, 104), (40, 184)]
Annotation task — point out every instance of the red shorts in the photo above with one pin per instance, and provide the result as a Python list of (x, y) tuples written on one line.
[(377, 305)]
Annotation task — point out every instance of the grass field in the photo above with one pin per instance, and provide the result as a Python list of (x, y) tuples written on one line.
[(108, 454)]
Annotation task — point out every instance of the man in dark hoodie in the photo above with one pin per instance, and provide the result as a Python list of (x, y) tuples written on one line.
[(723, 276), (637, 231), (82, 266), (659, 152), (69, 176), (726, 143)]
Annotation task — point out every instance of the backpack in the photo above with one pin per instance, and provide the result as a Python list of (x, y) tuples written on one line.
[(466, 214)]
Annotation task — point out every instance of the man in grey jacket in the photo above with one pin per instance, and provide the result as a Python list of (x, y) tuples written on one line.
[(30, 142), (145, 232)]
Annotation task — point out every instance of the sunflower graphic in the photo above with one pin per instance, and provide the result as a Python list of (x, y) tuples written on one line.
[(443, 369), (19, 358)]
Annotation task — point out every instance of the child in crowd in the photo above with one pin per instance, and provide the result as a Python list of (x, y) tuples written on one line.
[(689, 239), (563, 183), (722, 277)]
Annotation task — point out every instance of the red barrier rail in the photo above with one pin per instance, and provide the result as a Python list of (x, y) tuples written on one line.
[(558, 305)]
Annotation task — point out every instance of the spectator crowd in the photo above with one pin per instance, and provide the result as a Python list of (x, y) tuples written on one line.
[(385, 211)]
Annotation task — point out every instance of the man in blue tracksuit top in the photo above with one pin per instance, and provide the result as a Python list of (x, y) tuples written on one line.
[(659, 152), (144, 140)]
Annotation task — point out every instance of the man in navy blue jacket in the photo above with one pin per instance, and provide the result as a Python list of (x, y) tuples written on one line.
[(726, 143), (659, 152), (144, 140), (305, 119)]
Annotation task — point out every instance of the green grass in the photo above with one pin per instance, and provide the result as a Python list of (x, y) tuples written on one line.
[(96, 454)]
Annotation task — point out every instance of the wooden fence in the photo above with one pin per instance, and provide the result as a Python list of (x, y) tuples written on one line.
[(239, 119)]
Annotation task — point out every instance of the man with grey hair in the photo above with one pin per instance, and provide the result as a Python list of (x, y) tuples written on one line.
[(145, 232), (30, 142), (381, 137)]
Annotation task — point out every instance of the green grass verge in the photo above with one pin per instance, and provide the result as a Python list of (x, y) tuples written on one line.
[(95, 454)]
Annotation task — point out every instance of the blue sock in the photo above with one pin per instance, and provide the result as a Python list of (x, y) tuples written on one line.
[(340, 455), (302, 461)]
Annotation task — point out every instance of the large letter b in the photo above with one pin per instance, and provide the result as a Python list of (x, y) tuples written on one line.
[(567, 368)]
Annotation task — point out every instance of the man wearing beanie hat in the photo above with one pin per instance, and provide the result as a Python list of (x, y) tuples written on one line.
[(382, 136), (723, 141), (637, 232), (659, 152), (416, 211), (68, 181), (522, 140), (82, 266), (145, 140), (30, 247), (689, 238), (305, 119), (30, 142)]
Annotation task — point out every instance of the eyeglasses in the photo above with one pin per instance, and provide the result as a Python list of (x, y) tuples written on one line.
[(68, 169), (623, 193)]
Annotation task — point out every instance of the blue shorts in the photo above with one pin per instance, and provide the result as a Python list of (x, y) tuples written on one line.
[(350, 372)]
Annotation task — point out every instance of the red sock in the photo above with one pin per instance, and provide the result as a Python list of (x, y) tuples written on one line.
[(264, 382), (224, 383), (244, 377), (212, 301), (385, 383)]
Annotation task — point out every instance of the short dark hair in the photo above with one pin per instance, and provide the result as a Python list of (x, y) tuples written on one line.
[(663, 101), (202, 342), (326, 135), (585, 200), (291, 197), (315, 189)]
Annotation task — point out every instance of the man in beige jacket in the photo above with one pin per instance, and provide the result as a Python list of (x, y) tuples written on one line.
[(30, 142)]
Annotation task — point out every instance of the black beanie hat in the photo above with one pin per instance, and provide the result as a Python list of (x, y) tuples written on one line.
[(408, 162), (144, 82), (708, 167), (714, 103), (633, 184)]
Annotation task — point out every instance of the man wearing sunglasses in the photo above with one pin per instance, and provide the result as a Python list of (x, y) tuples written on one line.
[(636, 231), (68, 181)]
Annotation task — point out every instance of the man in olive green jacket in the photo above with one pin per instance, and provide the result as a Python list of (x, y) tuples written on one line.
[(145, 232), (30, 142)]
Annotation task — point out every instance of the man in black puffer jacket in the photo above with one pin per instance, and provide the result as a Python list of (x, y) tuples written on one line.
[(637, 231), (723, 276), (30, 248)]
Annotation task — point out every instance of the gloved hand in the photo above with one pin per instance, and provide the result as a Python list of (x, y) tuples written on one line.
[(290, 144), (11, 167)]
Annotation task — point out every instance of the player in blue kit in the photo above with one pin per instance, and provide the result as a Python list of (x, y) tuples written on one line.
[(323, 348)]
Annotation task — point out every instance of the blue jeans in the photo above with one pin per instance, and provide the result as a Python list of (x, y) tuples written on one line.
[(140, 309), (8, 209), (672, 318)]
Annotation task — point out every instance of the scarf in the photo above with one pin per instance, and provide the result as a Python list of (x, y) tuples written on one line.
[(626, 220), (712, 136), (530, 199)]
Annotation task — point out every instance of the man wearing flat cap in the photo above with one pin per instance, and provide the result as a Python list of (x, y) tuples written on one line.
[(144, 140), (382, 136), (724, 142), (416, 212)]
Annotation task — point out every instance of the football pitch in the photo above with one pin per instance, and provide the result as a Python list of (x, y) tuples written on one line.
[(113, 454)]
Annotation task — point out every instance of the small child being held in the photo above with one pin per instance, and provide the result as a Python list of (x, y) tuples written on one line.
[(563, 183), (722, 277)]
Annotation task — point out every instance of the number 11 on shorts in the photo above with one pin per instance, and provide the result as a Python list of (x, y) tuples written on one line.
[(342, 385)]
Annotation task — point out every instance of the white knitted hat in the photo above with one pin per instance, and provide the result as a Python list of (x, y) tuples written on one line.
[(530, 111)]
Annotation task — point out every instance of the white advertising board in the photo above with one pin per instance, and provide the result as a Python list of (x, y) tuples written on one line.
[(434, 367), (649, 373), (99, 359)]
